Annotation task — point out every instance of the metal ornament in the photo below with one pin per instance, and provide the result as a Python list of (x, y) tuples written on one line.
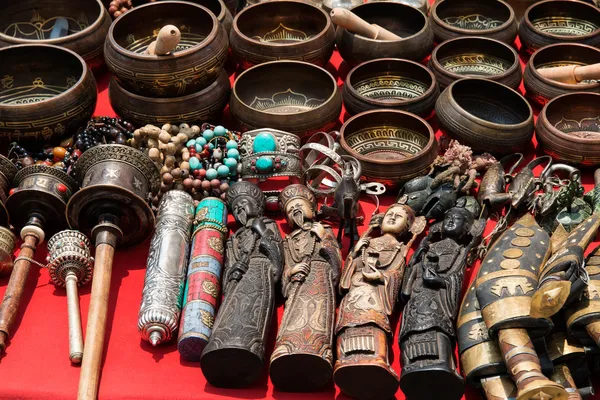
[(7, 245), (7, 175)]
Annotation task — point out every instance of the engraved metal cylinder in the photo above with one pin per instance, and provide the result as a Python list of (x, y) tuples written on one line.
[(7, 245), (166, 268), (7, 174)]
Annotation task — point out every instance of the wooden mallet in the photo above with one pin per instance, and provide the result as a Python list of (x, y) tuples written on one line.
[(166, 42), (572, 74), (350, 21)]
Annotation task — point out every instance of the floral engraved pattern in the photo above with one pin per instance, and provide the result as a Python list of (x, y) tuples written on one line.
[(39, 27), (584, 128), (475, 64), (391, 87), (283, 34), (473, 21), (287, 102)]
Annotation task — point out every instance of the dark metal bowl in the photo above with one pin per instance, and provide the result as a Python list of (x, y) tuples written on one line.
[(540, 89), (475, 57), (291, 96), (494, 19), (485, 115), (405, 21), (392, 146), (559, 21), (285, 30), (568, 128), (194, 65), (46, 92), (390, 83), (31, 21)]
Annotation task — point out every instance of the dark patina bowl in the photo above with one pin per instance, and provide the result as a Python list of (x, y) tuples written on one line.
[(405, 21), (390, 83), (568, 128), (559, 21), (540, 89), (475, 57), (291, 96), (285, 30), (31, 22), (486, 115), (46, 92), (494, 19), (193, 66), (392, 146)]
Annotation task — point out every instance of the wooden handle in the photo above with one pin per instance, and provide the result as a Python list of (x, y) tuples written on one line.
[(572, 74), (498, 388), (562, 375), (350, 21), (167, 40)]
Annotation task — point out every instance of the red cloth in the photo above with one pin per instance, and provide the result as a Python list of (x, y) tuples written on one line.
[(36, 364)]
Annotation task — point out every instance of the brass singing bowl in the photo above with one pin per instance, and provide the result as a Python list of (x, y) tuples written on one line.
[(46, 92), (31, 22), (475, 57), (286, 30), (568, 128), (559, 21), (392, 146)]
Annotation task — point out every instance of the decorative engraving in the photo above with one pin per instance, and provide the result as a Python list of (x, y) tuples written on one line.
[(391, 87), (207, 318), (43, 169), (475, 64), (479, 332), (34, 93), (210, 288), (39, 27), (287, 102), (565, 26), (584, 128), (511, 285), (473, 22), (216, 244), (282, 34), (384, 142)]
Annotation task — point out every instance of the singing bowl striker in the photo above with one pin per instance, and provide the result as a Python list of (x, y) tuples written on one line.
[(392, 146), (540, 89), (568, 128), (291, 96), (193, 66), (486, 115), (46, 92), (403, 20), (494, 19), (31, 22), (285, 30), (559, 21), (390, 83), (475, 57)]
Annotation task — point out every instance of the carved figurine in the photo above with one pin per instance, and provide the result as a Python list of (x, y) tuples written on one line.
[(370, 283), (433, 284), (234, 356), (303, 357)]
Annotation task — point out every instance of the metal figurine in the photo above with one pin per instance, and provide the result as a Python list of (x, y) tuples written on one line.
[(166, 266), (432, 286), (70, 265), (203, 283), (234, 356), (492, 189), (370, 283), (303, 355)]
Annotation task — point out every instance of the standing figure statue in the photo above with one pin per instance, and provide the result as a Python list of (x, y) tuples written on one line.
[(234, 356), (370, 283), (303, 357), (433, 285)]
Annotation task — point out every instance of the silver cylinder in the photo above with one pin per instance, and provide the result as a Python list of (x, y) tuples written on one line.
[(166, 268)]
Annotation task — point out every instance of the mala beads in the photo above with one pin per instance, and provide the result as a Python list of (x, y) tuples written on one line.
[(119, 7), (58, 157), (103, 130)]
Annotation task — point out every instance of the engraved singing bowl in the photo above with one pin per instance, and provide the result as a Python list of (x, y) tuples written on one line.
[(475, 57), (494, 19), (392, 146), (390, 83), (559, 21), (31, 22), (403, 20), (8, 171), (193, 66), (291, 96), (568, 128), (46, 92), (285, 30), (486, 115), (540, 89), (203, 106)]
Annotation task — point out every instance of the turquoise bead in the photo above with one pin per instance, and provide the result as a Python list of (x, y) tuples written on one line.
[(264, 142), (211, 146), (190, 143), (211, 173), (223, 171), (220, 131), (232, 144), (231, 163), (199, 147), (201, 141), (233, 153), (264, 165), (194, 163), (208, 134)]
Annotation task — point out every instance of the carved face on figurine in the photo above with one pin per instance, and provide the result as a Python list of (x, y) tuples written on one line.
[(396, 220), (299, 211), (244, 209), (457, 222)]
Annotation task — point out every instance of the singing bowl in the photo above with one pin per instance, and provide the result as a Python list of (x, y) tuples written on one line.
[(494, 19), (392, 146), (292, 96), (559, 21), (475, 57), (568, 128), (390, 83), (203, 106), (46, 92), (405, 21), (486, 115), (193, 66), (31, 22), (285, 30)]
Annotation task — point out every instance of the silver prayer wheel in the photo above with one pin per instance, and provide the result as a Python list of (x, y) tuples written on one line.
[(166, 268), (7, 175)]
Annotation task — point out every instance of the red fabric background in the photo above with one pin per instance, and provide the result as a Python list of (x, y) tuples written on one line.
[(36, 364)]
